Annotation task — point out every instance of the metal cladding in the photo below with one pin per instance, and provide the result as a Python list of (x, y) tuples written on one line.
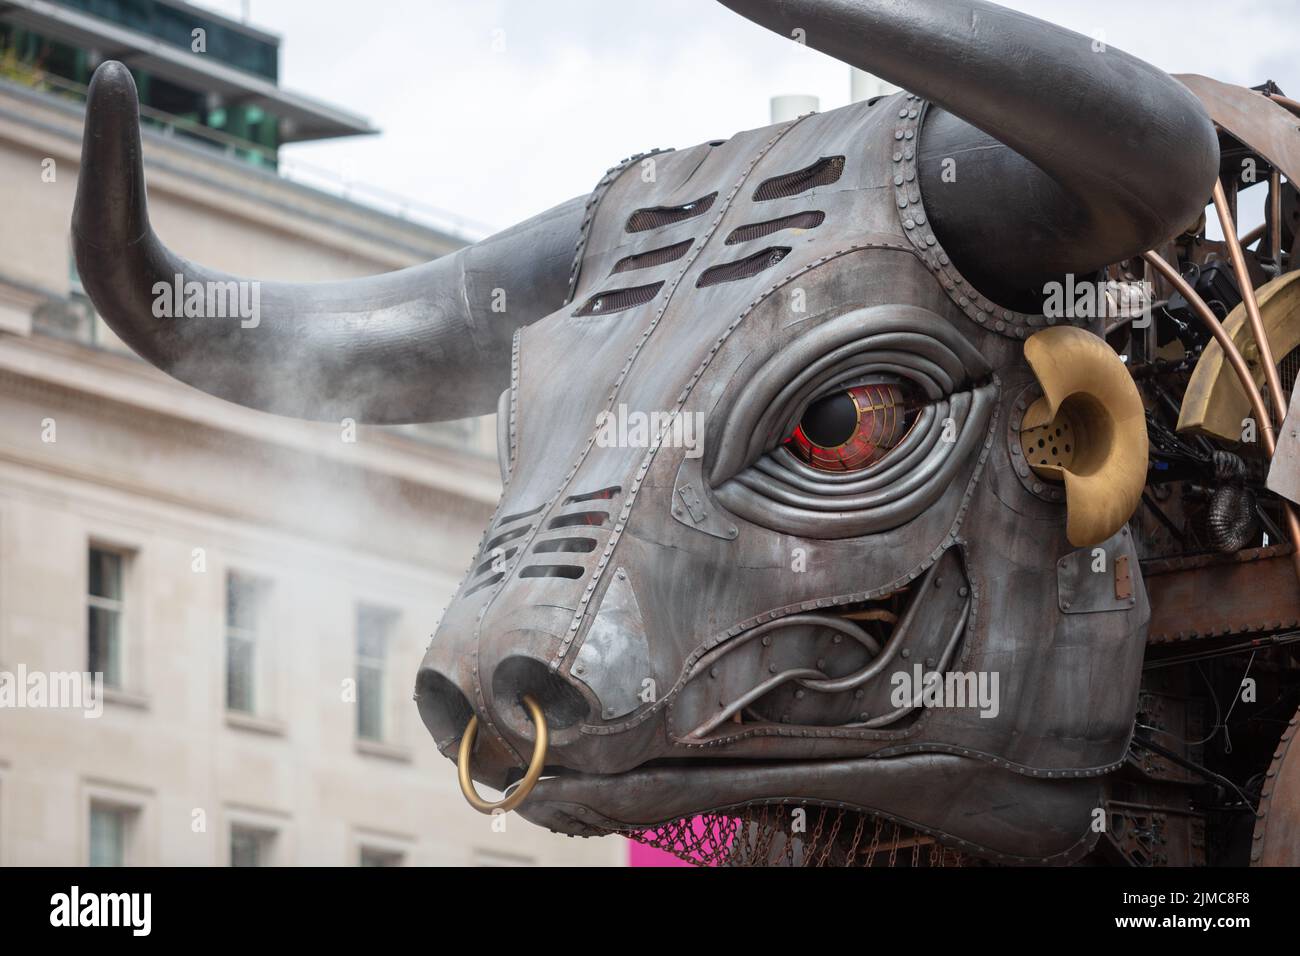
[(649, 595)]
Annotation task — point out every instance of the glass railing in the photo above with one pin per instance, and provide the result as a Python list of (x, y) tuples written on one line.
[(290, 168), (168, 124), (174, 27)]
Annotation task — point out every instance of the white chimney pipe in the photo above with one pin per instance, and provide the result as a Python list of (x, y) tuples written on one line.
[(863, 86), (786, 108)]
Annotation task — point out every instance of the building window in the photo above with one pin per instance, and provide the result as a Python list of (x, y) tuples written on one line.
[(110, 834), (374, 626), (105, 602), (251, 846), (371, 856), (245, 615)]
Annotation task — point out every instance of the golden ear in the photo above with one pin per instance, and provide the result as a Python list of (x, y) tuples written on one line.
[(1088, 430)]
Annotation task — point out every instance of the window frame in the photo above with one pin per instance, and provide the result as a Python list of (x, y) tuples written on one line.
[(377, 666), (122, 607), (255, 638), (140, 843)]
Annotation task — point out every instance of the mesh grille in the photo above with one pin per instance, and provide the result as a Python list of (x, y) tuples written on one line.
[(743, 268), (655, 257), (657, 216), (617, 300), (757, 230), (762, 836), (821, 173)]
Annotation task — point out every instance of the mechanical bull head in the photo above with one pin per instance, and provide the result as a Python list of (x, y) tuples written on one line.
[(900, 457)]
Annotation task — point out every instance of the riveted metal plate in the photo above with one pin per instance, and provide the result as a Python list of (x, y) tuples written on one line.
[(1098, 579), (614, 660), (694, 507)]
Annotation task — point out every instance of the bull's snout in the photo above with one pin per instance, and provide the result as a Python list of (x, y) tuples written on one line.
[(449, 697)]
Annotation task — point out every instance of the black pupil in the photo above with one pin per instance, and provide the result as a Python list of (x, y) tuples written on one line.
[(830, 422)]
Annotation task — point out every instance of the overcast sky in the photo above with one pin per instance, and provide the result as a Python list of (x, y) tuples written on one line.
[(498, 109)]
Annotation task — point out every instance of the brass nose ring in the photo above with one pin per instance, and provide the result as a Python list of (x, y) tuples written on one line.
[(531, 776)]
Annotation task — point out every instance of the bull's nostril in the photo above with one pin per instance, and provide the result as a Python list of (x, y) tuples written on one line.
[(561, 702), (443, 708)]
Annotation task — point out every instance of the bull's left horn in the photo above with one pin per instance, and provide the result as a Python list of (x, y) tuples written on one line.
[(1088, 430), (421, 344)]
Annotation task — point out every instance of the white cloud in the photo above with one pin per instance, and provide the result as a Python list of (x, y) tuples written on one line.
[(497, 137)]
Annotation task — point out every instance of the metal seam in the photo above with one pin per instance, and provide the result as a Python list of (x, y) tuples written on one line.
[(912, 217)]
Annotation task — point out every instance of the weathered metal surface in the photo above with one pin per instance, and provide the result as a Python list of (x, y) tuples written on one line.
[(1249, 592), (694, 505), (1276, 839), (615, 660), (1097, 579), (1259, 122), (1284, 470)]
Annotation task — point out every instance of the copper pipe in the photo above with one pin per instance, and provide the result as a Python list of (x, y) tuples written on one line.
[(1285, 102), (1271, 378), (1253, 236), (1230, 350), (1275, 204), (1234, 357)]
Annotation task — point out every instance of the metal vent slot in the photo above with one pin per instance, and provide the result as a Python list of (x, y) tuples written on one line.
[(507, 536), (605, 494), (552, 571), (657, 216), (485, 583), (565, 545), (757, 230), (655, 257), (590, 519), (617, 300), (516, 517), (825, 171), (743, 268)]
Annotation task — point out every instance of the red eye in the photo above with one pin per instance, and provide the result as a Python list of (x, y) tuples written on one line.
[(855, 428)]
